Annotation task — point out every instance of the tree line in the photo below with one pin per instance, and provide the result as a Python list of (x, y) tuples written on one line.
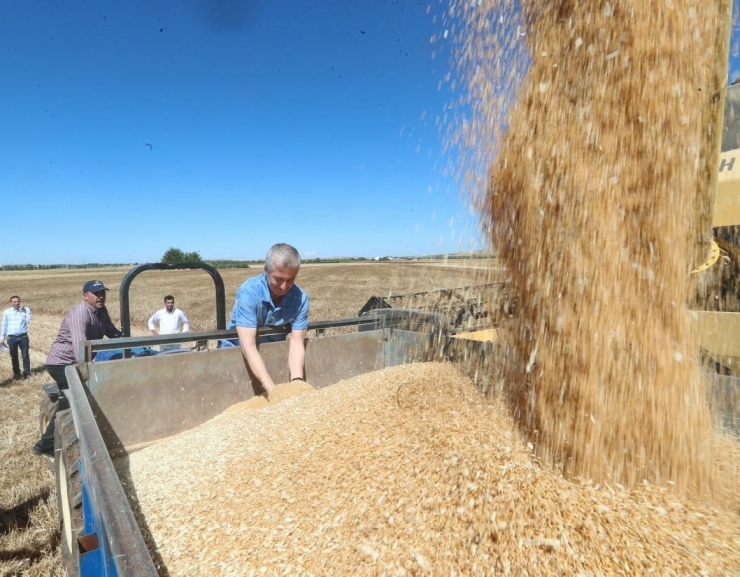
[(175, 255)]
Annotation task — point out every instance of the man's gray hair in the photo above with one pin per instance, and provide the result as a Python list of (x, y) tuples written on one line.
[(282, 255)]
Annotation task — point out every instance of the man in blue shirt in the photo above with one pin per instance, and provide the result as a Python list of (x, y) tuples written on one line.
[(272, 299), (15, 335)]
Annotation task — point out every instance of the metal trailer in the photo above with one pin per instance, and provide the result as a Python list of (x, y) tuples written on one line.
[(122, 405)]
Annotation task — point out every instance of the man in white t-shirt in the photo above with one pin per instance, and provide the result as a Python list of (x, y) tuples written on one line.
[(169, 319)]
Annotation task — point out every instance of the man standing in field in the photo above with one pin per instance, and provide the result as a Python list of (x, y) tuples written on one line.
[(272, 299), (15, 335), (87, 321), (169, 320)]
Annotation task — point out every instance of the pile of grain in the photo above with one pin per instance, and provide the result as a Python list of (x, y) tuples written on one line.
[(279, 393), (406, 471), (591, 120)]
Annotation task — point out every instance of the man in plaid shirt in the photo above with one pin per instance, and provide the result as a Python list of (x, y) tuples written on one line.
[(87, 321), (15, 335)]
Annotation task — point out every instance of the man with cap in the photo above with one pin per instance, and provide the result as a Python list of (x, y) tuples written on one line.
[(87, 321)]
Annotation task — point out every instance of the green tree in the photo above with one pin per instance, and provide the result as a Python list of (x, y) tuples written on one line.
[(175, 255), (193, 256)]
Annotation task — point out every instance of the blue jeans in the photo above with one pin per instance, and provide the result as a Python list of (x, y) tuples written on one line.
[(16, 342)]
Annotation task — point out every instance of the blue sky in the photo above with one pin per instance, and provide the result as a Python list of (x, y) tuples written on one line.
[(223, 127), (734, 63)]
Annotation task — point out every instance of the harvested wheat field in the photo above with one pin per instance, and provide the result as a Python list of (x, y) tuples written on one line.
[(406, 471)]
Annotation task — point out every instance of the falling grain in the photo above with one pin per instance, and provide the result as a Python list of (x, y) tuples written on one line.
[(590, 125)]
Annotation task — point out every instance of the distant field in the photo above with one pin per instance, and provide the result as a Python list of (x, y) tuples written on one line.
[(29, 540)]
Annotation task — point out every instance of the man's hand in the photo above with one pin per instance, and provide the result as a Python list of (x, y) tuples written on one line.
[(269, 388)]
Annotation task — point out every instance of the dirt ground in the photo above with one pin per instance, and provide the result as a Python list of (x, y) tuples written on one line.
[(29, 528)]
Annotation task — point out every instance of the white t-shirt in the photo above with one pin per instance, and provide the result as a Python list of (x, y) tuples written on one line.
[(169, 323)]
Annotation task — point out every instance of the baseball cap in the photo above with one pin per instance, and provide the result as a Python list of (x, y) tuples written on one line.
[(93, 286)]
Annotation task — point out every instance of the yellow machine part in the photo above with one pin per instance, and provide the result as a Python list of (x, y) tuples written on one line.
[(487, 335), (727, 199), (719, 333), (713, 256)]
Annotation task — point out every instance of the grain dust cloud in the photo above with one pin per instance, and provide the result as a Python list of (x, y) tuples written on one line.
[(589, 124)]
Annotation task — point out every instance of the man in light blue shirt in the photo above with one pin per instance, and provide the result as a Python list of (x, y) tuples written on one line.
[(273, 299), (15, 335)]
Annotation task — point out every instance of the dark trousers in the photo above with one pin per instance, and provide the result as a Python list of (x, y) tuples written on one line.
[(46, 443), (16, 342)]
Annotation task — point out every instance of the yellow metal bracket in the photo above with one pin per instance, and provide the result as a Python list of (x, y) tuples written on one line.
[(713, 256)]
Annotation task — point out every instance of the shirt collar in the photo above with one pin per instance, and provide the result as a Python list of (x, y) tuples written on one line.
[(92, 309)]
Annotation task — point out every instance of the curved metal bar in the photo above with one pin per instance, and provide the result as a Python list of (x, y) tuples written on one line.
[(134, 272)]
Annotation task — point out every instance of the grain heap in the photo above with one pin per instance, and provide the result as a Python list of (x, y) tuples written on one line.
[(592, 203), (280, 393), (406, 471)]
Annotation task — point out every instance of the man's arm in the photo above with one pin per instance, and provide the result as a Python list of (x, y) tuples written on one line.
[(110, 330), (28, 313), (248, 344), (77, 324), (297, 354), (5, 327), (113, 332), (185, 322), (150, 323)]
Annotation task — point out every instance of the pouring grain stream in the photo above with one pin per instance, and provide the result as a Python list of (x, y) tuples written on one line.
[(591, 202)]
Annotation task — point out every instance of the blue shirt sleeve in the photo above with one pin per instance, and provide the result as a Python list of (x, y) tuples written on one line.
[(245, 310), (301, 321)]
